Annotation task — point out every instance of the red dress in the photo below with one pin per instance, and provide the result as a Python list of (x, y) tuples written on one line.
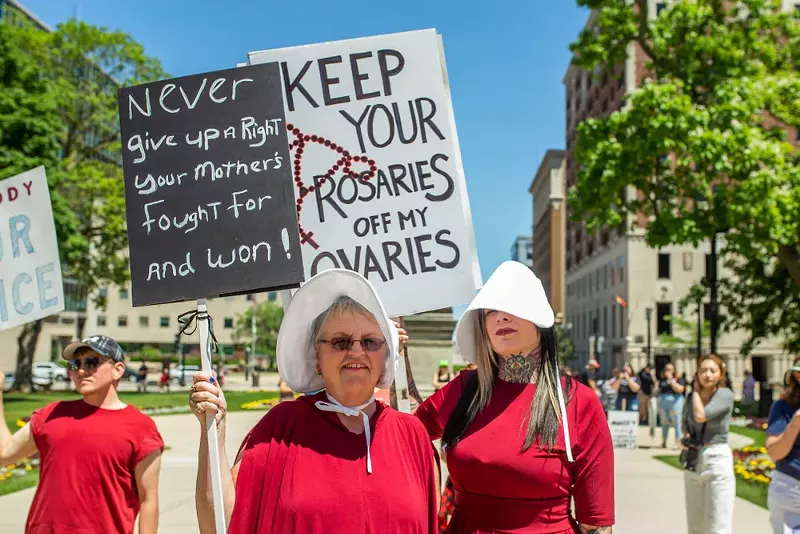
[(303, 472), (500, 489)]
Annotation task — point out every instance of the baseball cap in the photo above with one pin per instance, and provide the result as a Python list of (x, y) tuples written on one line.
[(593, 363), (102, 345)]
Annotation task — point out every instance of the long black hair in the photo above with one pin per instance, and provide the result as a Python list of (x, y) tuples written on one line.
[(545, 412)]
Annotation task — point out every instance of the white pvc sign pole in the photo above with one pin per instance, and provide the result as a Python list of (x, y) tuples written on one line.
[(211, 421)]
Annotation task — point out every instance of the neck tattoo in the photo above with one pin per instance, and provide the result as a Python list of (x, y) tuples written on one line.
[(519, 369)]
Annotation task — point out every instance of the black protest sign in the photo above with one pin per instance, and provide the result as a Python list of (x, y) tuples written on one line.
[(208, 186)]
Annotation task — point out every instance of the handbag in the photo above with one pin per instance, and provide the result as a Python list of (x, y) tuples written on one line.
[(692, 447)]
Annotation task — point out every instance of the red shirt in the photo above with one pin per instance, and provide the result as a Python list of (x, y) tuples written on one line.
[(303, 472), (499, 488), (88, 456)]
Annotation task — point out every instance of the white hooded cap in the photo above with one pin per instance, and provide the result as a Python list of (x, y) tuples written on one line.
[(297, 357), (512, 288)]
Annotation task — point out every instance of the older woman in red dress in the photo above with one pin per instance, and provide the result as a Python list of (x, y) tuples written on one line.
[(336, 461), (520, 441)]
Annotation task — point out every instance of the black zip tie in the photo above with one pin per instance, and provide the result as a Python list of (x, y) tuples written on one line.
[(194, 316)]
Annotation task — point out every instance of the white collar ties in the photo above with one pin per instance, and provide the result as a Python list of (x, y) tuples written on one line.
[(352, 411)]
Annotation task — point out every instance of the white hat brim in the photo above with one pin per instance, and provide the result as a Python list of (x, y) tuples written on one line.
[(297, 358), (513, 288)]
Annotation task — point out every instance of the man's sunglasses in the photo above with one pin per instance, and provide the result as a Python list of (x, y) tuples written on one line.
[(89, 363), (369, 344)]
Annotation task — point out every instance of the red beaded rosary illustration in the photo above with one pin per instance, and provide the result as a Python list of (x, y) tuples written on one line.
[(345, 162)]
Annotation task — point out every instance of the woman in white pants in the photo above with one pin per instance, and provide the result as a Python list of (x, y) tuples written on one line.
[(711, 487), (783, 446)]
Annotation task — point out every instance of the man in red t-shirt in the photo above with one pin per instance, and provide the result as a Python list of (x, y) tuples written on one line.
[(100, 458)]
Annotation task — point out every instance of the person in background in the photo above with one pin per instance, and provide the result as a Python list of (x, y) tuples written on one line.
[(470, 367), (748, 393), (627, 387), (671, 392), (588, 376), (442, 376), (783, 446), (646, 383), (141, 385), (286, 393), (711, 487), (566, 371), (164, 380), (608, 395), (100, 458), (221, 374)]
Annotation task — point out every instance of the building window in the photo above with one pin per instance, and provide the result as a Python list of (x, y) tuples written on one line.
[(613, 274), (228, 322), (621, 262), (621, 322), (272, 296), (597, 279), (122, 320), (103, 292), (663, 324), (144, 321), (613, 324), (164, 322), (605, 276), (660, 6), (663, 266), (605, 321), (101, 320), (123, 293)]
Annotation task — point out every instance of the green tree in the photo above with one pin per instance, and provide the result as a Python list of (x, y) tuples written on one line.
[(701, 145), (268, 321), (566, 349), (80, 68)]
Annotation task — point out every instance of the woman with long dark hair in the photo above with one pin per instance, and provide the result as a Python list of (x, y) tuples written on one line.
[(520, 441), (783, 446)]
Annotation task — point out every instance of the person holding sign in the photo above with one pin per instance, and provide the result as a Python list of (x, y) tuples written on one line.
[(100, 458), (507, 480), (336, 461)]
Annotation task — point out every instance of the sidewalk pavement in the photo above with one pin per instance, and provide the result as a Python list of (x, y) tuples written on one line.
[(649, 493)]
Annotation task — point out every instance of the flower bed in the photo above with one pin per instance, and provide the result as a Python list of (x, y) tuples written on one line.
[(258, 404), (753, 465)]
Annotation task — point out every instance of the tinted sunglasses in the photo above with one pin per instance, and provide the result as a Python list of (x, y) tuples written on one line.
[(369, 344), (89, 364)]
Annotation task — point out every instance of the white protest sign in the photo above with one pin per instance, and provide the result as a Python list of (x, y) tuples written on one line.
[(624, 429), (378, 180), (30, 269)]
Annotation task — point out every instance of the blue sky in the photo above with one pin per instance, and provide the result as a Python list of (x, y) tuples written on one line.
[(505, 59)]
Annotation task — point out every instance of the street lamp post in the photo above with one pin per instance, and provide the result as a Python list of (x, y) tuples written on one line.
[(699, 327), (712, 282), (648, 314)]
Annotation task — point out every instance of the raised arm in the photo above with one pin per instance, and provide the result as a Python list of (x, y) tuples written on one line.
[(13, 447), (205, 398), (782, 433)]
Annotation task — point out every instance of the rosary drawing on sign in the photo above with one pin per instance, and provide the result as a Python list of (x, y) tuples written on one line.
[(345, 163)]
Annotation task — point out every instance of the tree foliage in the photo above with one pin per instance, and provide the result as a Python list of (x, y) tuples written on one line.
[(58, 108), (268, 321), (701, 146)]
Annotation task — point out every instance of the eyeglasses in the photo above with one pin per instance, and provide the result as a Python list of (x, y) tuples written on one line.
[(369, 344), (89, 363)]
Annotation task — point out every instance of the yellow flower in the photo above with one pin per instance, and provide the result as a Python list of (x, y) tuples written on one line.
[(28, 468), (764, 426)]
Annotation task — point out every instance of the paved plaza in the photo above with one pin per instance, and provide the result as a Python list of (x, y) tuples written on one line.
[(649, 493)]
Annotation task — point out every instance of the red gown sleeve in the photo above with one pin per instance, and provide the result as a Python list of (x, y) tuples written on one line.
[(436, 409), (593, 470)]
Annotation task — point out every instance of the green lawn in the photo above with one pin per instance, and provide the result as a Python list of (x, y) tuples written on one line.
[(19, 405), (20, 483), (758, 436)]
